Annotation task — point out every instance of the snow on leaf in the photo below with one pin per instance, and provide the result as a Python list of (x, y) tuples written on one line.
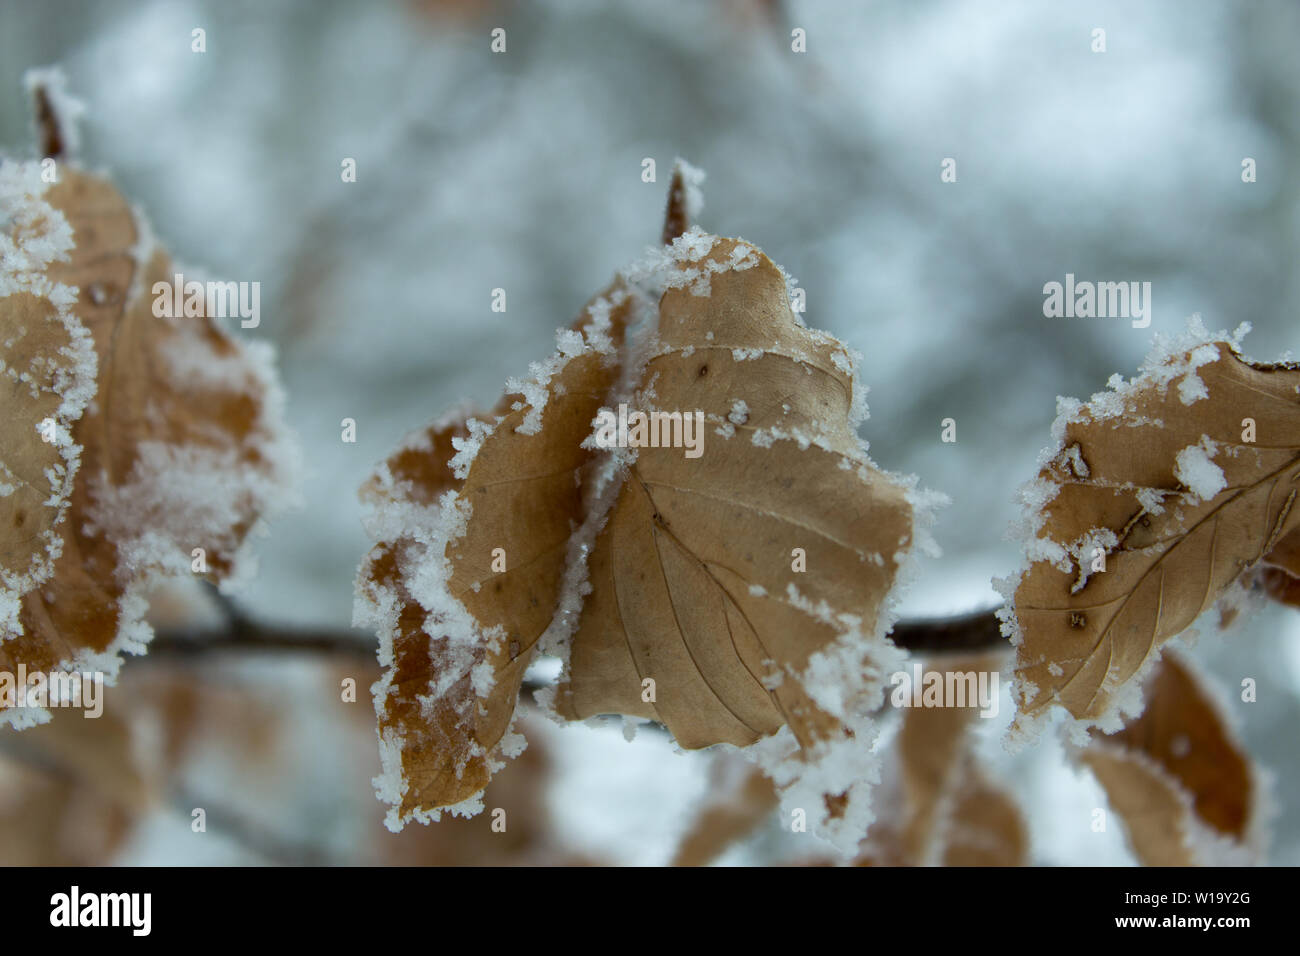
[(1179, 777), (673, 570), (1086, 636), (48, 365), (468, 570), (631, 561), (170, 460)]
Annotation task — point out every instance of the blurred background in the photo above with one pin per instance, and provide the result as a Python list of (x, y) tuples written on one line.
[(523, 170)]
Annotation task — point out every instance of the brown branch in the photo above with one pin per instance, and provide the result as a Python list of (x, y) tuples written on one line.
[(261, 638), (974, 631)]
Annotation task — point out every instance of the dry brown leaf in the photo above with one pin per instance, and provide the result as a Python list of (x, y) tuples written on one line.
[(50, 371), (986, 827), (740, 799), (181, 447), (692, 578), (645, 562), (939, 806), (526, 835), (48, 363), (54, 820), (452, 629), (98, 750), (70, 790), (1179, 777), (1125, 480), (187, 711)]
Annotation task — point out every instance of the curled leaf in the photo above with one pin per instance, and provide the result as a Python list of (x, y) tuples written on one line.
[(48, 364), (474, 518), (181, 445), (696, 578), (669, 578), (1179, 777), (1155, 501)]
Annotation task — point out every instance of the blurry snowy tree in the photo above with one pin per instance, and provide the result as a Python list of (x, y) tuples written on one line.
[(521, 170)]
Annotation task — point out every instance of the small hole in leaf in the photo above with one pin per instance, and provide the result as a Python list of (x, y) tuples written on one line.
[(1078, 619)]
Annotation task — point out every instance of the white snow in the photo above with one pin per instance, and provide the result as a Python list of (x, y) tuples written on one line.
[(1194, 468)]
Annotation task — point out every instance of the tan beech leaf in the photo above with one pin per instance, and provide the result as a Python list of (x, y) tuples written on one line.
[(740, 799), (1179, 777), (70, 789), (938, 806), (52, 819), (98, 751), (459, 502), (692, 576), (1156, 475), (48, 365), (986, 827), (181, 448)]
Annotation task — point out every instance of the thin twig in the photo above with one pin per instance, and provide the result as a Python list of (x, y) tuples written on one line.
[(975, 631)]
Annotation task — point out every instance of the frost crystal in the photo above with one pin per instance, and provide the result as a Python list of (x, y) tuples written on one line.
[(1193, 468)]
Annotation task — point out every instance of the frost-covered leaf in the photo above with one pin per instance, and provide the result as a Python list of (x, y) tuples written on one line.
[(181, 448), (696, 577), (1179, 777), (473, 519), (48, 366), (1160, 478), (743, 564)]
